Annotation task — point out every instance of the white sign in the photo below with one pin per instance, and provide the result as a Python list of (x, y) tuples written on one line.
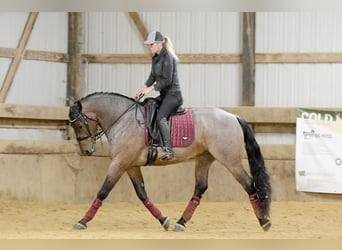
[(319, 151)]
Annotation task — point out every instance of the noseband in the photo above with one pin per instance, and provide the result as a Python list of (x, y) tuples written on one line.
[(94, 137)]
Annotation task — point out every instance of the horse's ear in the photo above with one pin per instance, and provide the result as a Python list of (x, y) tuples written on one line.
[(78, 106), (70, 101), (75, 109)]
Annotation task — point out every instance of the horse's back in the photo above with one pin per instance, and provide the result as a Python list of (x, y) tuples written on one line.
[(215, 126), (214, 116)]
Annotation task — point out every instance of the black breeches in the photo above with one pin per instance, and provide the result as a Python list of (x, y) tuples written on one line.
[(168, 105)]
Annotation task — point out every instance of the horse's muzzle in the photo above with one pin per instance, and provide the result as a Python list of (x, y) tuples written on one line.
[(88, 152)]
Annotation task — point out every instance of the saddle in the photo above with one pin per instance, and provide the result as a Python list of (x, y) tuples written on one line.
[(181, 128)]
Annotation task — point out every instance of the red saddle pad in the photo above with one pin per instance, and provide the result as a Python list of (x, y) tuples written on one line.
[(182, 130)]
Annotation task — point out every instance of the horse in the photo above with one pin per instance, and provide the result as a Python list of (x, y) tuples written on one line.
[(219, 135)]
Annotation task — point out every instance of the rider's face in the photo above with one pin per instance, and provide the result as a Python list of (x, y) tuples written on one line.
[(155, 47)]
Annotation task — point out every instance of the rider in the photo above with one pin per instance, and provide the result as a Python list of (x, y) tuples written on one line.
[(163, 78)]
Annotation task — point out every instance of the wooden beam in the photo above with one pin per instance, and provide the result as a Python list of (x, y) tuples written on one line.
[(18, 56), (186, 58), (209, 58), (33, 116), (33, 124), (265, 115), (335, 57), (213, 58), (269, 151), (248, 59), (270, 115), (117, 58), (37, 55), (33, 112), (139, 23), (38, 147), (278, 151), (283, 128)]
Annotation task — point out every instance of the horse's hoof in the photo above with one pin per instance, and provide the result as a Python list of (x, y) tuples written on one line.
[(265, 224), (166, 223), (179, 228), (80, 226)]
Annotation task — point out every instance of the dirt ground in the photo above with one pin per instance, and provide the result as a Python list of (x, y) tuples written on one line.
[(212, 220)]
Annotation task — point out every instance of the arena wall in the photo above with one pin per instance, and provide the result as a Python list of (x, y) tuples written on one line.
[(54, 171), (300, 70)]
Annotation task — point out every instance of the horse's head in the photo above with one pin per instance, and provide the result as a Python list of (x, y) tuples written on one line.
[(85, 127)]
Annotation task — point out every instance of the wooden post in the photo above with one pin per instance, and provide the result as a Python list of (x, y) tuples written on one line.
[(75, 67), (248, 59), (18, 56)]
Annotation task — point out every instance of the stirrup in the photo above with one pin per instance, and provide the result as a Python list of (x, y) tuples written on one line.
[(166, 155)]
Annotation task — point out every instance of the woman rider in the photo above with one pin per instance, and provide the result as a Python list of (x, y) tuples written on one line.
[(164, 79)]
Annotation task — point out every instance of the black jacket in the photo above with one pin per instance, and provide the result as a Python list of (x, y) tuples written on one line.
[(164, 73)]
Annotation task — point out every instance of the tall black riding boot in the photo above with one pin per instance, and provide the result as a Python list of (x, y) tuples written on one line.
[(164, 130)]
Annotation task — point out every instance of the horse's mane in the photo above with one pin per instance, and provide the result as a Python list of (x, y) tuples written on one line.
[(107, 94)]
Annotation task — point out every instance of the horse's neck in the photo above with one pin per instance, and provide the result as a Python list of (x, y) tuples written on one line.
[(108, 109)]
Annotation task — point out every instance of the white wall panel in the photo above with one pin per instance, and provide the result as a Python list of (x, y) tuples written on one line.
[(303, 85), (4, 64), (298, 32), (190, 32), (199, 32), (50, 32), (11, 27), (36, 82), (39, 83), (299, 85), (120, 78), (44, 83), (210, 85), (111, 32)]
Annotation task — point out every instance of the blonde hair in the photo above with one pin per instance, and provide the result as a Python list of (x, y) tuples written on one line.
[(169, 47)]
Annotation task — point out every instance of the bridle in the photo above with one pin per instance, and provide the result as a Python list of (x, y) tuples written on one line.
[(99, 133), (94, 136)]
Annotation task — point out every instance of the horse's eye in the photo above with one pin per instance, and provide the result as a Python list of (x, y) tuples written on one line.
[(80, 126)]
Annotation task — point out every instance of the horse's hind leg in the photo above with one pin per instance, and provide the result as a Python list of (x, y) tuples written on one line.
[(203, 163), (137, 179), (247, 183)]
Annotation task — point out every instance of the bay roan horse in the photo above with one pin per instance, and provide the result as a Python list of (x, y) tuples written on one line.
[(219, 135)]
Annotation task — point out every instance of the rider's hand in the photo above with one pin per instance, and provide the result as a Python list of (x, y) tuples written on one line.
[(144, 91)]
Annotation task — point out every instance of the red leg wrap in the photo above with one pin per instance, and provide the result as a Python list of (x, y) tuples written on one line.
[(154, 211), (253, 198), (92, 210), (190, 209)]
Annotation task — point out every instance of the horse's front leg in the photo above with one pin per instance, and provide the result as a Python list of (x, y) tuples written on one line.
[(203, 164), (115, 171), (137, 179)]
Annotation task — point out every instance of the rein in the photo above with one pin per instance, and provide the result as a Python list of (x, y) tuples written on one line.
[(100, 133), (134, 104)]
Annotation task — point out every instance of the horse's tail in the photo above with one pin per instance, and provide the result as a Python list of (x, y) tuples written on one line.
[(257, 167)]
